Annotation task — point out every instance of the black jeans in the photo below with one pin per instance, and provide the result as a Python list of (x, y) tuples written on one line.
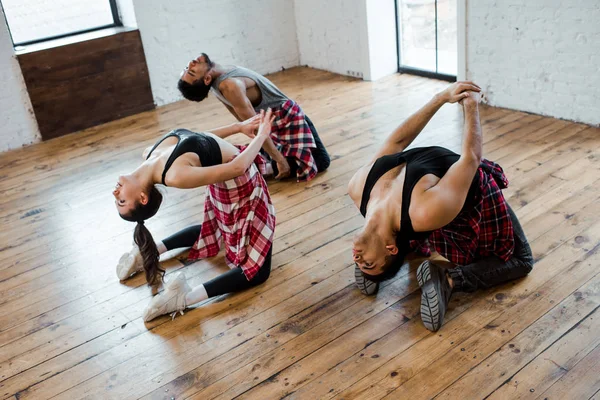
[(319, 153), (231, 281), (492, 271)]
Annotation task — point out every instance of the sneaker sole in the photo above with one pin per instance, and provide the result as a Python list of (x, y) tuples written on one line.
[(423, 273), (430, 308), (366, 286)]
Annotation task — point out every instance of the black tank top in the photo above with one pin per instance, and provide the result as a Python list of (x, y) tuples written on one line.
[(203, 145), (419, 161)]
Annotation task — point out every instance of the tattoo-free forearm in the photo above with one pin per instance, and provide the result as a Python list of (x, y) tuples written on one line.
[(232, 111), (411, 127), (472, 141), (271, 150), (246, 157), (225, 131)]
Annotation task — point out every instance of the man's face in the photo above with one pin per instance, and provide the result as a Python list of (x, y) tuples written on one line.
[(196, 69)]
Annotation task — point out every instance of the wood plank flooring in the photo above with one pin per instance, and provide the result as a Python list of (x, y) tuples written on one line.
[(69, 329)]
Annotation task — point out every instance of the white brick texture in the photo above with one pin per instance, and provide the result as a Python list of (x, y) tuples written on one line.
[(258, 34), (540, 56), (17, 122), (329, 34)]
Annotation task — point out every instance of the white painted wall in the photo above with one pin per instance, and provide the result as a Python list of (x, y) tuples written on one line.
[(331, 35), (18, 126), (539, 56), (381, 39), (258, 34), (127, 13), (348, 37)]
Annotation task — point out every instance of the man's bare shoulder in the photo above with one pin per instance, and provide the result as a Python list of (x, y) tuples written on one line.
[(231, 85)]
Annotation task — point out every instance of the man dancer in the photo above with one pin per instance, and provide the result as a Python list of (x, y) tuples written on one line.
[(454, 203), (294, 147)]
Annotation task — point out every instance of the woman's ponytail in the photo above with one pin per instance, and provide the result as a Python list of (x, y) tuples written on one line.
[(143, 238)]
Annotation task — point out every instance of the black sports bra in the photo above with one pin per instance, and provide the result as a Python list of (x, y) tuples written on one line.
[(203, 145), (419, 161)]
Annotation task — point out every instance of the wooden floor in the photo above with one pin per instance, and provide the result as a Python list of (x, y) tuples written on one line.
[(70, 330)]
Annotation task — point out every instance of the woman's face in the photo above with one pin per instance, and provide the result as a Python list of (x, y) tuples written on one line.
[(369, 253), (128, 193)]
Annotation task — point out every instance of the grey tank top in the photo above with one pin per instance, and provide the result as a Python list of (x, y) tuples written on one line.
[(271, 95)]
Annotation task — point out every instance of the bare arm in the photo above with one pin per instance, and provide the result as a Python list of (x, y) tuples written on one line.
[(232, 111), (247, 127), (404, 135), (227, 130), (439, 204), (235, 92), (193, 177)]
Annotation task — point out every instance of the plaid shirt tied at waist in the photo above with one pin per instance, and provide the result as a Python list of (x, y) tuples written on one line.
[(293, 138), (240, 214), (483, 230)]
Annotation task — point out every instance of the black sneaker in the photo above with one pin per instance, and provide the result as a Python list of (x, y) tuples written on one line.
[(365, 285), (423, 273), (436, 294)]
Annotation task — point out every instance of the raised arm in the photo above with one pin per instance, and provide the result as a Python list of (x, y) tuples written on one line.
[(232, 111), (235, 92), (247, 127), (193, 177), (437, 205), (404, 135)]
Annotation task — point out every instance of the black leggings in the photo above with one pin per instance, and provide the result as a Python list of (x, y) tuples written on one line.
[(231, 281), (319, 153), (491, 271)]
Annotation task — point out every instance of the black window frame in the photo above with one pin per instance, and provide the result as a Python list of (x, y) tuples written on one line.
[(116, 24), (416, 71)]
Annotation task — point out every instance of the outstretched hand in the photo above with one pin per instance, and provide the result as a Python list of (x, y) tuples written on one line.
[(459, 91), (266, 120), (250, 126)]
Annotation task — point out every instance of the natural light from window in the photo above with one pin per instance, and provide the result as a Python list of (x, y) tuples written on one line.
[(418, 35), (35, 20)]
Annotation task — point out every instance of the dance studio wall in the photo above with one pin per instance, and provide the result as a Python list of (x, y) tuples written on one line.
[(260, 34), (330, 35), (538, 56), (16, 114), (348, 37)]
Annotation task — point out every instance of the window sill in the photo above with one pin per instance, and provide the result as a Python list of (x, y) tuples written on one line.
[(83, 37)]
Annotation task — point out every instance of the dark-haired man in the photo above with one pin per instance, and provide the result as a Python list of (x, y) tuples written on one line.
[(432, 197), (294, 147)]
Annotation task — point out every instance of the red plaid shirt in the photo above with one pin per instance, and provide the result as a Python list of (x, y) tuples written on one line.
[(238, 212), (293, 138), (478, 231)]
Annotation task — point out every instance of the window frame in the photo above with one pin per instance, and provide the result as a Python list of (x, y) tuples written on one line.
[(116, 24), (415, 71)]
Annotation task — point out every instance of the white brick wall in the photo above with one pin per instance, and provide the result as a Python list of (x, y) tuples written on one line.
[(17, 123), (258, 34), (330, 34), (538, 56)]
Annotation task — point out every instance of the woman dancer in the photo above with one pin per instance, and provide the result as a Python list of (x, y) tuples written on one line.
[(237, 211), (432, 197)]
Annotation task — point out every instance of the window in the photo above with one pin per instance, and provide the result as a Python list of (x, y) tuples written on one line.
[(427, 31), (32, 21)]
